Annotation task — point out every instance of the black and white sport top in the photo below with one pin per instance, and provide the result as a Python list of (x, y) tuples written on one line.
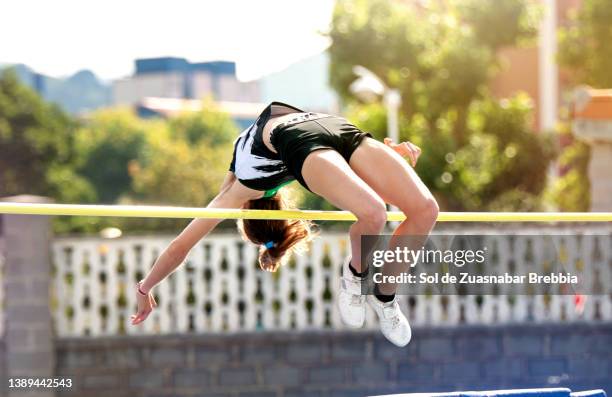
[(256, 166)]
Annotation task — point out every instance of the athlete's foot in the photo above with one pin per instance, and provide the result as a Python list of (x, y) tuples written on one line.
[(350, 300), (393, 324)]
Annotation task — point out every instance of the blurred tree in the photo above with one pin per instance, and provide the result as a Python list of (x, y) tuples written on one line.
[(183, 163), (113, 156), (500, 23), (107, 142), (586, 51), (571, 192), (37, 146), (586, 44), (209, 125), (505, 165), (178, 172), (441, 55)]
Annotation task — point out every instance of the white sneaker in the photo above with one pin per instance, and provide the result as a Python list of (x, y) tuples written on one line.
[(350, 300), (393, 324)]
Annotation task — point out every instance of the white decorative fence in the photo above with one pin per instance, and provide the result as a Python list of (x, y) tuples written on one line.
[(220, 287)]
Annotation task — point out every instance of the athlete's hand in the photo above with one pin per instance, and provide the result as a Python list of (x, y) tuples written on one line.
[(405, 149), (146, 303)]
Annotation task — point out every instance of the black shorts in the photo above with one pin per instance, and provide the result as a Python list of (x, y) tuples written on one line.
[(294, 142)]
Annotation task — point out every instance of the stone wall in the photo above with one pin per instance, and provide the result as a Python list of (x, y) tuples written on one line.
[(339, 363), (27, 325)]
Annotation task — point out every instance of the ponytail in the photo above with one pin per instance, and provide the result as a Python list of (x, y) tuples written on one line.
[(277, 238)]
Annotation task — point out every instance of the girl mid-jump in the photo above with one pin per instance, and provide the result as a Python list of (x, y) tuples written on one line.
[(334, 159)]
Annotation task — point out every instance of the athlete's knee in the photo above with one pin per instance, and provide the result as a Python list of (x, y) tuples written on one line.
[(427, 211), (423, 211), (374, 214), (431, 209)]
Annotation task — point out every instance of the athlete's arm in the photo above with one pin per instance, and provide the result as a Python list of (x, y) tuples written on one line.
[(227, 181), (232, 195)]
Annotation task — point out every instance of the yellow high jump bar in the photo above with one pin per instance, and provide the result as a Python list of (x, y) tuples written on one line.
[(140, 211)]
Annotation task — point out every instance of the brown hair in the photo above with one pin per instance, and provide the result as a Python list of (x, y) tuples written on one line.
[(286, 235)]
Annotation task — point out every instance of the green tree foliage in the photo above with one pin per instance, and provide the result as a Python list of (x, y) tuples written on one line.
[(478, 151), (111, 156), (107, 142), (500, 23), (37, 146), (504, 165), (586, 45), (586, 50), (179, 161), (209, 126), (172, 171), (571, 192)]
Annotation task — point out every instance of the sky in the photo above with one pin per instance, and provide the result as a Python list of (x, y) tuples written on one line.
[(60, 37)]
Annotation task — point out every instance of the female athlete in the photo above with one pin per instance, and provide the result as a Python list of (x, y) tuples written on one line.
[(335, 160)]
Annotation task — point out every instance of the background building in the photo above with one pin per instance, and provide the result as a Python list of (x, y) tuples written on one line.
[(162, 87), (170, 77)]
